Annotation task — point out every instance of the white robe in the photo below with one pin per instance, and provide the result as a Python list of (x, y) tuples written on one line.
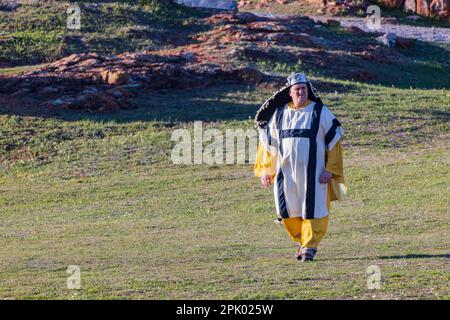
[(297, 193)]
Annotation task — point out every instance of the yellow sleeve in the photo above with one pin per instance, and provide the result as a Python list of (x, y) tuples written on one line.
[(265, 163), (334, 163)]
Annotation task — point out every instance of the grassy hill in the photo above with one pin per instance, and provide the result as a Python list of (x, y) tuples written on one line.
[(36, 32), (99, 191)]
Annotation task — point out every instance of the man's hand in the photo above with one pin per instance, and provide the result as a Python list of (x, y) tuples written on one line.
[(325, 177), (266, 181)]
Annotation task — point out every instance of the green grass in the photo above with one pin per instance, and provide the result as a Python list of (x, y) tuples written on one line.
[(100, 192), (37, 33), (33, 46)]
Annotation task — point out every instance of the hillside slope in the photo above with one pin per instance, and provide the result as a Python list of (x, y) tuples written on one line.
[(84, 186), (36, 32), (201, 48)]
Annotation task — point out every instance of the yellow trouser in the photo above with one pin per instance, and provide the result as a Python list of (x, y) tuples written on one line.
[(307, 232)]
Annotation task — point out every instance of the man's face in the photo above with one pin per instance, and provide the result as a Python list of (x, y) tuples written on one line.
[(299, 93)]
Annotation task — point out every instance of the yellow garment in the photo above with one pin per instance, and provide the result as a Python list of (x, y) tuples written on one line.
[(307, 232), (291, 104), (334, 163), (265, 163)]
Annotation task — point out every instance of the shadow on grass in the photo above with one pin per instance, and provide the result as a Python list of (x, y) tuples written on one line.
[(441, 116), (220, 102), (361, 58), (425, 66), (417, 256), (396, 257)]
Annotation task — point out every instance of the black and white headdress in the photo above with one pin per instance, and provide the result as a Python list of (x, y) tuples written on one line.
[(281, 97)]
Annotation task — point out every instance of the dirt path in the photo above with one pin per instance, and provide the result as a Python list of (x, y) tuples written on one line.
[(429, 34)]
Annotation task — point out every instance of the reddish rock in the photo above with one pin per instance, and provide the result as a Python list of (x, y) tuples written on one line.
[(404, 42), (409, 6), (88, 63), (105, 102), (67, 61), (355, 30), (117, 77), (423, 7), (102, 82), (333, 23), (439, 8), (268, 27), (433, 8), (444, 14), (393, 3)]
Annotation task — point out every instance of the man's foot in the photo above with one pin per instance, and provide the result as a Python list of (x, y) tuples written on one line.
[(308, 254), (306, 257), (299, 253)]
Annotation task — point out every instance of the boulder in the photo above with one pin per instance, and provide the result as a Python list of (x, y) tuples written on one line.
[(116, 77), (105, 102), (393, 3), (88, 63), (439, 8), (427, 8), (404, 42), (67, 61), (423, 7), (409, 6)]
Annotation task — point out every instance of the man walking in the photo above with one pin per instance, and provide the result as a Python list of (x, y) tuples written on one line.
[(301, 155)]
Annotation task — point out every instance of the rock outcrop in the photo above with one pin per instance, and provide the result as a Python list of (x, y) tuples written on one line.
[(97, 82), (428, 8), (227, 53)]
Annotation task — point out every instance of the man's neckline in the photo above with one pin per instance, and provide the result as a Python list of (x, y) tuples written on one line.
[(300, 109)]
